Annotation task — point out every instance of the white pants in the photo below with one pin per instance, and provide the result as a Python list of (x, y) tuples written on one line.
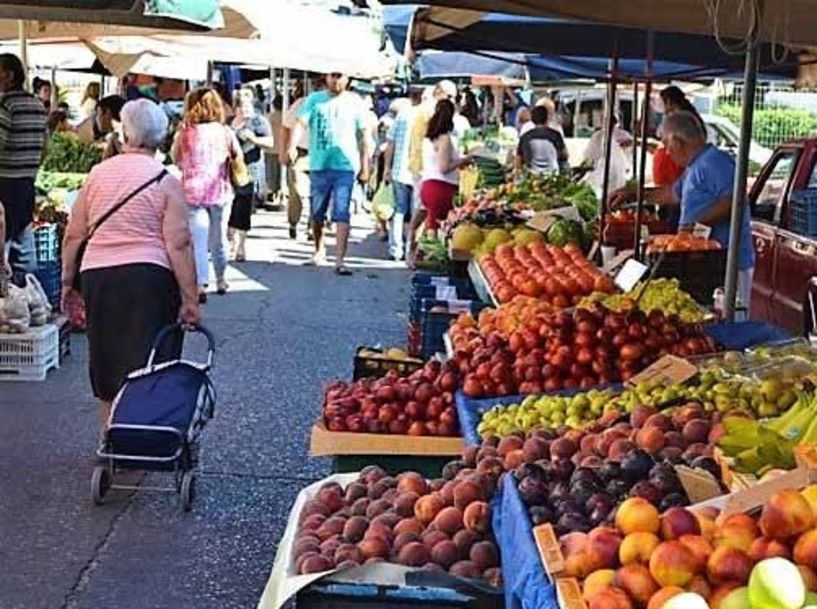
[(208, 227)]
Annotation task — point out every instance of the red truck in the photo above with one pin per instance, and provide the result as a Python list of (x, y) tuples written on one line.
[(786, 259)]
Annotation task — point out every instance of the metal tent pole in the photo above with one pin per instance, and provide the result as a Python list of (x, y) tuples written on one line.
[(645, 120), (741, 174), (285, 90), (634, 127), (23, 39), (608, 140)]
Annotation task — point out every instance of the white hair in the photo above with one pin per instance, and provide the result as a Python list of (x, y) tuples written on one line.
[(684, 126), (144, 124)]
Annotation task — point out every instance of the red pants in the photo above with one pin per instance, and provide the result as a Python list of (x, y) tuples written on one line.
[(437, 197)]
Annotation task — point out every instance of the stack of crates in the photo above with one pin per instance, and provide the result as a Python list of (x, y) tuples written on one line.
[(426, 326), (49, 265), (29, 356)]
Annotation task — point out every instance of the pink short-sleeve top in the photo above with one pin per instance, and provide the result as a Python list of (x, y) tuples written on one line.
[(203, 151), (134, 233)]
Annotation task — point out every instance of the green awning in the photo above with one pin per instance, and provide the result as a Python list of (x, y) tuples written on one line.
[(202, 13)]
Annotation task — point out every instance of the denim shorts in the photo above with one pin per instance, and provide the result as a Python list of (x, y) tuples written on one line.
[(331, 185), (402, 198)]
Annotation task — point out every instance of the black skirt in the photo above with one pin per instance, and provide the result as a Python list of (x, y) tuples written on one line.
[(126, 307)]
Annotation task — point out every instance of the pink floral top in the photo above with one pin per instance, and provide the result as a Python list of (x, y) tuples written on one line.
[(202, 151)]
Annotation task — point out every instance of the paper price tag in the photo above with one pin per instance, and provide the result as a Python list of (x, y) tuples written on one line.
[(541, 221), (701, 230), (699, 484), (617, 260), (668, 370), (446, 292), (549, 551), (567, 212), (459, 306), (630, 274), (437, 281)]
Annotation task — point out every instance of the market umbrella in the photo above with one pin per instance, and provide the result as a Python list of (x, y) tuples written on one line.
[(792, 22), (464, 30), (59, 18)]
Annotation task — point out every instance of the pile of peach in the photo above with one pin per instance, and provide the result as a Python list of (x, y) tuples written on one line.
[(442, 524), (647, 557)]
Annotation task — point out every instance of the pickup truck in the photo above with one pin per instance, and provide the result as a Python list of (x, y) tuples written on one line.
[(786, 261)]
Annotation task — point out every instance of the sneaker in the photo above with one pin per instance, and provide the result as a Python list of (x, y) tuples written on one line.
[(309, 236), (293, 232)]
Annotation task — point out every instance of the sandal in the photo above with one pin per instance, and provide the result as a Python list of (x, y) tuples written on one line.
[(222, 288), (343, 271)]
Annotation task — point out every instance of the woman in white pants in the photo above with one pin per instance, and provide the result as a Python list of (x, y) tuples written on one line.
[(203, 149)]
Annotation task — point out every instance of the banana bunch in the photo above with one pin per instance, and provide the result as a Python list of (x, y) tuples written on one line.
[(757, 447)]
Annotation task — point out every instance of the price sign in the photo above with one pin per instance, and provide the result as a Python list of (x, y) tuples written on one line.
[(541, 221), (698, 483), (617, 260), (701, 231), (630, 274), (446, 292), (668, 370), (459, 306)]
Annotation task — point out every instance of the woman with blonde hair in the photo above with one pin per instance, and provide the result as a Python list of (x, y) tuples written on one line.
[(203, 148), (90, 100)]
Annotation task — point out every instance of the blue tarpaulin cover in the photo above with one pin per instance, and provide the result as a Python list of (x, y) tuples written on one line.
[(526, 583), (737, 336)]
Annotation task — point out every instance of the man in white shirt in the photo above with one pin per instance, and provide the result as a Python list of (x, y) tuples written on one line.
[(297, 173)]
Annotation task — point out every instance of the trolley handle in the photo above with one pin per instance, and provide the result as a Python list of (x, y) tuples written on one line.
[(168, 330)]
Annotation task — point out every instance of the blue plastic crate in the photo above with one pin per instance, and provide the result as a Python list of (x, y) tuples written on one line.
[(435, 324), (803, 212), (439, 293), (47, 243), (49, 274)]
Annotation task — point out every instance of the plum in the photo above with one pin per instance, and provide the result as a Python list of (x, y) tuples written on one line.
[(533, 491), (609, 470), (584, 474), (572, 522), (540, 514), (636, 465), (673, 500), (562, 469)]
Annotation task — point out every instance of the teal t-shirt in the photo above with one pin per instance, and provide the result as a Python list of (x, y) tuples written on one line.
[(334, 123)]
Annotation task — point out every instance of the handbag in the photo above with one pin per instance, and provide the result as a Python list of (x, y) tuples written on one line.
[(84, 243), (239, 173)]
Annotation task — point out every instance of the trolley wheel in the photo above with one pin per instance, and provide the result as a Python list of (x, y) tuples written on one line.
[(187, 491), (100, 484)]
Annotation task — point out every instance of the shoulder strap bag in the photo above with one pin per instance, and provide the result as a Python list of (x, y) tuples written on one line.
[(84, 243)]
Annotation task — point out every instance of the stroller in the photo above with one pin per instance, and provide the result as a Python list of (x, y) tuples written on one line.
[(156, 419)]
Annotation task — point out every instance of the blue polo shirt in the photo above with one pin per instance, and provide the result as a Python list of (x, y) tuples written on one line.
[(708, 177)]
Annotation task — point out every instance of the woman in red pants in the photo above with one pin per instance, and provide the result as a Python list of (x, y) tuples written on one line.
[(440, 178)]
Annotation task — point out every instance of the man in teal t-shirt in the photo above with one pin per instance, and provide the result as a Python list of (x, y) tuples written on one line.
[(337, 155)]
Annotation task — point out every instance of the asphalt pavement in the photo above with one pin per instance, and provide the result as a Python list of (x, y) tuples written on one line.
[(282, 332)]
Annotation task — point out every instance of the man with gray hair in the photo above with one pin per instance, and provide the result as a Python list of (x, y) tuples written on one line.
[(704, 191)]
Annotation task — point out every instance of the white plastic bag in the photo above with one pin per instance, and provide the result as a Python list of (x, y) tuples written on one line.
[(38, 305), (619, 168), (15, 315)]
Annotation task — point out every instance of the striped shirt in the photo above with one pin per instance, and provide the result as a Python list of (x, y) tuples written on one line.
[(22, 134), (400, 134), (134, 233)]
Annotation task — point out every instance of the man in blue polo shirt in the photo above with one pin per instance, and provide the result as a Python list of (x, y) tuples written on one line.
[(704, 191)]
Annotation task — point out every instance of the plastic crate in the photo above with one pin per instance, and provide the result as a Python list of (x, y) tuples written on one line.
[(435, 324), (29, 356), (699, 273), (49, 275), (47, 243), (376, 367), (458, 289), (803, 212)]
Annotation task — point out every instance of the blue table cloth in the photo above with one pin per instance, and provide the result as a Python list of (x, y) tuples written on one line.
[(525, 582)]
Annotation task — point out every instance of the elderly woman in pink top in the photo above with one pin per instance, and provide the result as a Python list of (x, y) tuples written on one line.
[(202, 149), (137, 273)]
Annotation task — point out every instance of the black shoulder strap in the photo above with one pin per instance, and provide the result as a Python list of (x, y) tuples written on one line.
[(118, 206)]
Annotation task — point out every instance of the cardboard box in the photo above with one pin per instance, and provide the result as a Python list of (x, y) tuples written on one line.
[(384, 584), (324, 442), (754, 497), (569, 594)]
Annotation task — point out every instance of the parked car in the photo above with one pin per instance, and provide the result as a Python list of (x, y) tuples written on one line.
[(786, 258)]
